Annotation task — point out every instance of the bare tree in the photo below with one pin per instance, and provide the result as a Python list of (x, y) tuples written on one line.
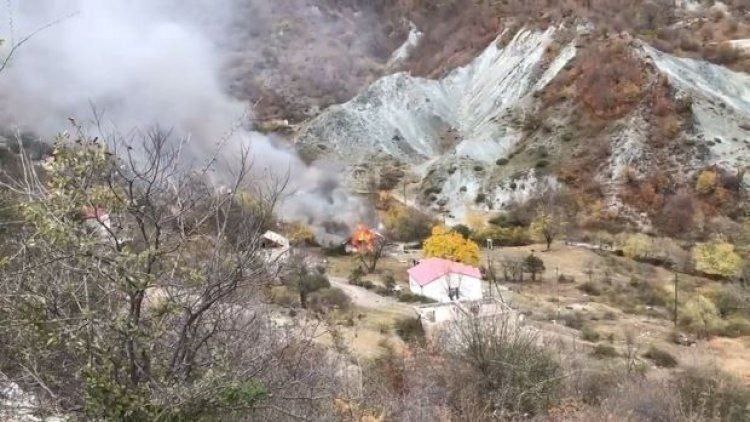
[(370, 256), (133, 288)]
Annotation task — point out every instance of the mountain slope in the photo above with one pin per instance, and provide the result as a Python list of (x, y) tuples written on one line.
[(610, 117), (456, 124)]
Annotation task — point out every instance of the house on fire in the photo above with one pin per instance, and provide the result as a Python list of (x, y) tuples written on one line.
[(363, 239), (445, 281)]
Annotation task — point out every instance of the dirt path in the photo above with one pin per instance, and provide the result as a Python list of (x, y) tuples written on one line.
[(367, 299)]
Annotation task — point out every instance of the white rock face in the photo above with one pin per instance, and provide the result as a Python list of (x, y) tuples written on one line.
[(403, 117), (407, 119), (404, 51), (721, 105)]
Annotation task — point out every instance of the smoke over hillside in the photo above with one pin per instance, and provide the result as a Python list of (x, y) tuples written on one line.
[(142, 63)]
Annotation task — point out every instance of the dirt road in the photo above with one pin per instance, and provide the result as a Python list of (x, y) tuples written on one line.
[(367, 299)]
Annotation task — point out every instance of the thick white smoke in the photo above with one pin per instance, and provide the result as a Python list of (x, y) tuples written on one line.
[(143, 63)]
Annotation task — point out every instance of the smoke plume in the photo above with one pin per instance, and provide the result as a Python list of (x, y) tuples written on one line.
[(141, 63)]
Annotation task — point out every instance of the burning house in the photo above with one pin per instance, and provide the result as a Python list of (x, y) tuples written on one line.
[(363, 239)]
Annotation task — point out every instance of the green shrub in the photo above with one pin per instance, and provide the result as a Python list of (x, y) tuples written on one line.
[(410, 330), (463, 230), (389, 281), (604, 351), (660, 357), (501, 161), (589, 334), (542, 164), (700, 316), (480, 198), (366, 284), (502, 236), (735, 326), (409, 297), (355, 276), (508, 219)]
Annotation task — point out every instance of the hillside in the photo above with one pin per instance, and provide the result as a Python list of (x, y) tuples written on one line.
[(604, 115), (375, 210)]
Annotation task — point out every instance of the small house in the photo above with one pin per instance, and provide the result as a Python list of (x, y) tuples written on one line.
[(445, 281), (276, 246)]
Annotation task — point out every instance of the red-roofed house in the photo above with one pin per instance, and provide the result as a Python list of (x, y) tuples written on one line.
[(445, 281)]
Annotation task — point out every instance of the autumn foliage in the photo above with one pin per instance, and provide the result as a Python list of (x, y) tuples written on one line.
[(717, 258), (451, 245), (610, 80)]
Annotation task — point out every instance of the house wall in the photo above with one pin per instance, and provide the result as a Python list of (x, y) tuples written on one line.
[(470, 288)]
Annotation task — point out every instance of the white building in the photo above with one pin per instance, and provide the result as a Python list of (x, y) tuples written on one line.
[(275, 246), (445, 281)]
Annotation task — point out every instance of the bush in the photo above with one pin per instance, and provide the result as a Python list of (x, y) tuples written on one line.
[(589, 334), (566, 279), (366, 284), (534, 265), (735, 326), (717, 258), (706, 182), (463, 230), (573, 320), (389, 281), (542, 164), (329, 298), (406, 224), (713, 394), (410, 330), (480, 198), (355, 276), (409, 297), (637, 246), (509, 220), (501, 161), (502, 236), (660, 357), (506, 363), (591, 288), (604, 351), (700, 316), (315, 281)]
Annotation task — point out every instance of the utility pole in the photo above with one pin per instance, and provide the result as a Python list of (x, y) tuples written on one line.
[(557, 292), (675, 299)]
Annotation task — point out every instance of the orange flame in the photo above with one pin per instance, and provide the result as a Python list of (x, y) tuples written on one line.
[(363, 239)]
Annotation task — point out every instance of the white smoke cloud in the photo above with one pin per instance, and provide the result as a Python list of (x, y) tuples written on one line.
[(142, 63)]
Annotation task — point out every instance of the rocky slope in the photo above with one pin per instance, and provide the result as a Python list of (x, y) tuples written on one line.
[(530, 112), (720, 105), (450, 131)]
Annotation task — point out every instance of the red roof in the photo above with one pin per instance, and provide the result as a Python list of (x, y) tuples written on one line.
[(429, 270), (94, 213)]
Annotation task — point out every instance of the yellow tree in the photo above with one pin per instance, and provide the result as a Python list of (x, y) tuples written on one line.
[(706, 182), (546, 227), (637, 245), (717, 258), (452, 246)]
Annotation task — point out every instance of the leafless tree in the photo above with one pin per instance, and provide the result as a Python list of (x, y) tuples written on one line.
[(133, 288)]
